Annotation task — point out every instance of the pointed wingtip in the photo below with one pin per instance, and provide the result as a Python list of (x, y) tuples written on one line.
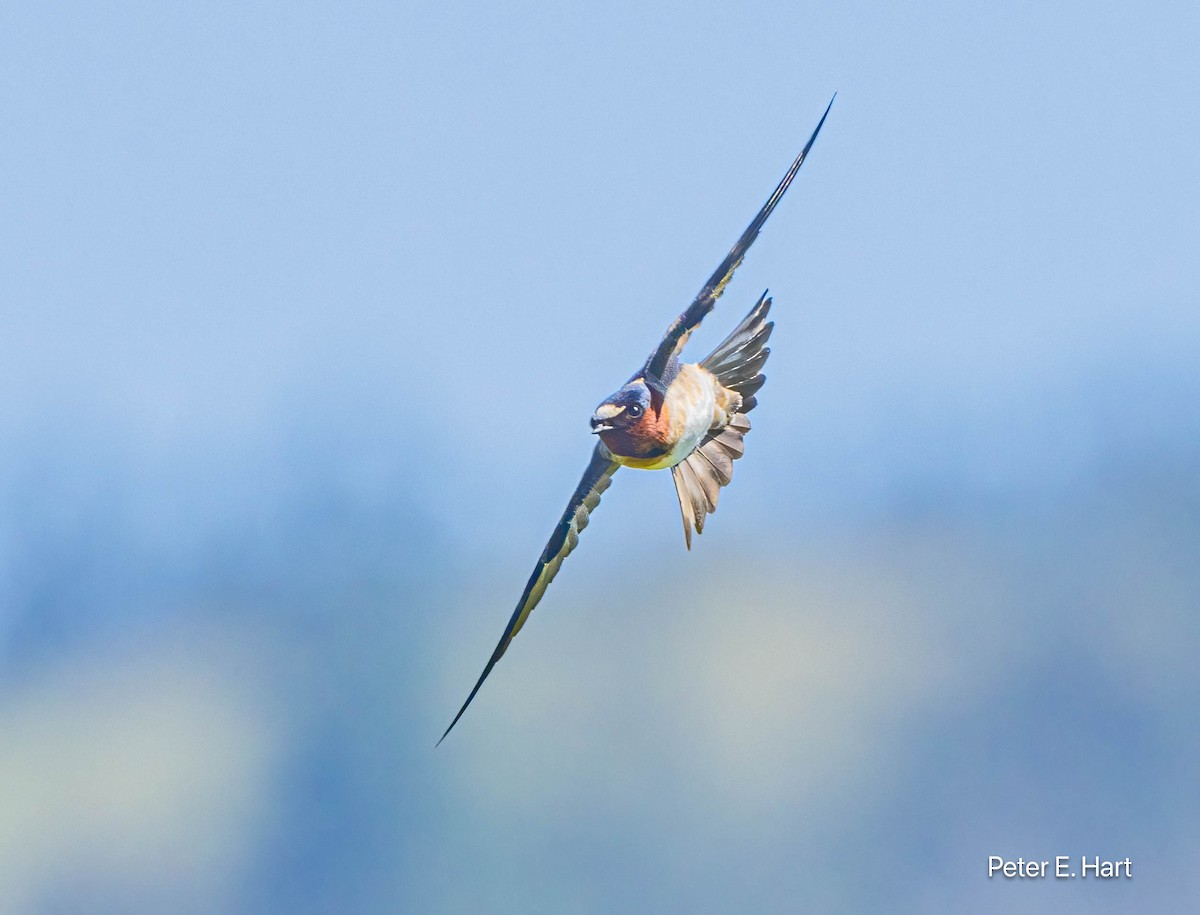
[(820, 124), (449, 729), (483, 676)]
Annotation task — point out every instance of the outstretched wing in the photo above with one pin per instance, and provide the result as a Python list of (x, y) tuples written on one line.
[(583, 502), (677, 333)]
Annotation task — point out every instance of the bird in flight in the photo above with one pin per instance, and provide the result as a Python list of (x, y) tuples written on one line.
[(690, 417)]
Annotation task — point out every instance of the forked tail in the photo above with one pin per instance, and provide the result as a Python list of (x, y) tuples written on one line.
[(736, 363)]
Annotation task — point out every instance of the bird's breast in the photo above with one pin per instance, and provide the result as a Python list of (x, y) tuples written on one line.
[(663, 439)]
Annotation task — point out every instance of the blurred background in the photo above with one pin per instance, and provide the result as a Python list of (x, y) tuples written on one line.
[(305, 308)]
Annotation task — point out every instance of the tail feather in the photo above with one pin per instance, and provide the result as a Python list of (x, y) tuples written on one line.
[(747, 369), (737, 362), (700, 476), (742, 346), (745, 329)]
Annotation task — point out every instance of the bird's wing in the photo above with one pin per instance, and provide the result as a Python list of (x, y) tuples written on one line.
[(677, 333), (583, 502)]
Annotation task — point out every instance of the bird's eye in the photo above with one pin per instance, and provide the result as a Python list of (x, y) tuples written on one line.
[(635, 410)]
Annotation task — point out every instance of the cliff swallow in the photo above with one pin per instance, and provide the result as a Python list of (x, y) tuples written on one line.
[(690, 417)]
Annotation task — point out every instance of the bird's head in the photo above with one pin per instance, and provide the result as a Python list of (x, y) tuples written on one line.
[(623, 409)]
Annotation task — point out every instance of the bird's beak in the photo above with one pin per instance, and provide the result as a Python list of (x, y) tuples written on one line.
[(602, 418)]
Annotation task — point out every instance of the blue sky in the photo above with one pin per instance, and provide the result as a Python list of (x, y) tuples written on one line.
[(305, 309)]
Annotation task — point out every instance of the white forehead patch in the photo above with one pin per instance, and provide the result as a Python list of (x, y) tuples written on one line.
[(608, 410)]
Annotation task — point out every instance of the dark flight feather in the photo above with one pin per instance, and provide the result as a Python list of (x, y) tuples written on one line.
[(678, 332), (583, 502)]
